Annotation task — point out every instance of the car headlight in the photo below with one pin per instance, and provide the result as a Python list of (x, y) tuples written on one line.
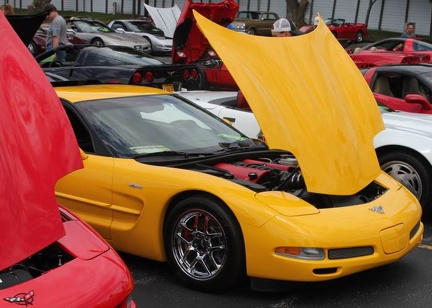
[(301, 253)]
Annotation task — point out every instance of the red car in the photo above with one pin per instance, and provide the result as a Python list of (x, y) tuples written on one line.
[(402, 87), (191, 46), (37, 44), (49, 257), (397, 50), (357, 32)]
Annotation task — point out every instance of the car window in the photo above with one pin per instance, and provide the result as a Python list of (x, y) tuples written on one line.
[(421, 46), (102, 56), (155, 123), (391, 45)]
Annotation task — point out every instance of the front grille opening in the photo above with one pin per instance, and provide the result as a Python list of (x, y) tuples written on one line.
[(414, 230), (325, 271), (346, 253)]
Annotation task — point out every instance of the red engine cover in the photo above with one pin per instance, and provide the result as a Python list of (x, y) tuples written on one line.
[(243, 172)]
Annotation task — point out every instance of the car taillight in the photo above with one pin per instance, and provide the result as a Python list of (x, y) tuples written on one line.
[(194, 74), (413, 60), (137, 77), (149, 77), (186, 74)]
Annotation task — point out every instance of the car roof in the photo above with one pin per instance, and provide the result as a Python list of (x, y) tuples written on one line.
[(412, 68), (103, 91)]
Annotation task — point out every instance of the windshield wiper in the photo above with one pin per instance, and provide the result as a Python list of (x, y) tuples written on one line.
[(169, 153), (246, 144)]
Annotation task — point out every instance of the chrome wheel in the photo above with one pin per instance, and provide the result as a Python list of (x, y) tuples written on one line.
[(97, 42), (204, 244), (199, 245), (406, 175), (359, 37)]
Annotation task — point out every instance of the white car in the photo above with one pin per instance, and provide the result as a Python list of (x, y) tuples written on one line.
[(97, 33), (404, 148), (155, 36)]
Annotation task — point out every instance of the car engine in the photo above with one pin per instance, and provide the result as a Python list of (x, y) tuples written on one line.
[(282, 173)]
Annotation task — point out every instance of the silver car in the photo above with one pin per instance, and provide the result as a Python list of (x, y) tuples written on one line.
[(97, 33), (159, 43)]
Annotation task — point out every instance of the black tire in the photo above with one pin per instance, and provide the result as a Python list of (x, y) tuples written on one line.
[(32, 47), (97, 42), (252, 31), (203, 83), (210, 231), (151, 46), (414, 172), (359, 36)]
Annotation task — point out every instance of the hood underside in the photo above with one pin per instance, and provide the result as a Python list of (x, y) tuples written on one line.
[(164, 18), (26, 26), (38, 147), (310, 99), (187, 36)]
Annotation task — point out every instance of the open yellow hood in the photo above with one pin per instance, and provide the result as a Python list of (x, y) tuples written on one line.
[(309, 98)]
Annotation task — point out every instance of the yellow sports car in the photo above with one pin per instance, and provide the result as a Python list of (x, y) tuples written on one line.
[(166, 180)]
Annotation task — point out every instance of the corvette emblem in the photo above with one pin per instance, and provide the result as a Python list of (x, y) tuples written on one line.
[(377, 209), (170, 73), (23, 299)]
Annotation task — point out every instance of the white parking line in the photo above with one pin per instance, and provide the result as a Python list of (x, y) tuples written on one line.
[(424, 246)]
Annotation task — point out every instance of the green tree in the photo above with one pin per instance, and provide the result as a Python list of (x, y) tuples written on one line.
[(371, 3), (38, 5)]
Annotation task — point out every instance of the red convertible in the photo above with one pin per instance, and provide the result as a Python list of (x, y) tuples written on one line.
[(397, 50), (347, 30), (191, 46), (402, 87)]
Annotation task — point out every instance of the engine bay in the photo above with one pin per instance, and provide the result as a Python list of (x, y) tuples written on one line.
[(282, 173), (34, 266)]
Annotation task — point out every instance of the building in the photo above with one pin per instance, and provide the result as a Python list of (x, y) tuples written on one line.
[(387, 15)]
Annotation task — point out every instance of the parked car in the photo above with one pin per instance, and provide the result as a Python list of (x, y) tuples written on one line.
[(403, 148), (191, 46), (155, 36), (166, 180), (402, 87), (37, 44), (254, 22), (120, 64), (341, 29), (397, 50), (50, 258), (398, 44), (97, 33)]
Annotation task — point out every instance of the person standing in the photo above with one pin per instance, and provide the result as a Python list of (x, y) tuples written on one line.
[(7, 9), (284, 28), (56, 35), (409, 30)]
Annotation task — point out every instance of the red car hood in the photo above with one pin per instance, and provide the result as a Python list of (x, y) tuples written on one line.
[(38, 147), (189, 39)]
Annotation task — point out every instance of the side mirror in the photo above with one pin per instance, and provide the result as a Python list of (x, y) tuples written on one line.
[(70, 32), (120, 30), (418, 99), (84, 156)]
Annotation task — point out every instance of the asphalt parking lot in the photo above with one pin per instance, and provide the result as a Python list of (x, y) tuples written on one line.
[(406, 283)]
